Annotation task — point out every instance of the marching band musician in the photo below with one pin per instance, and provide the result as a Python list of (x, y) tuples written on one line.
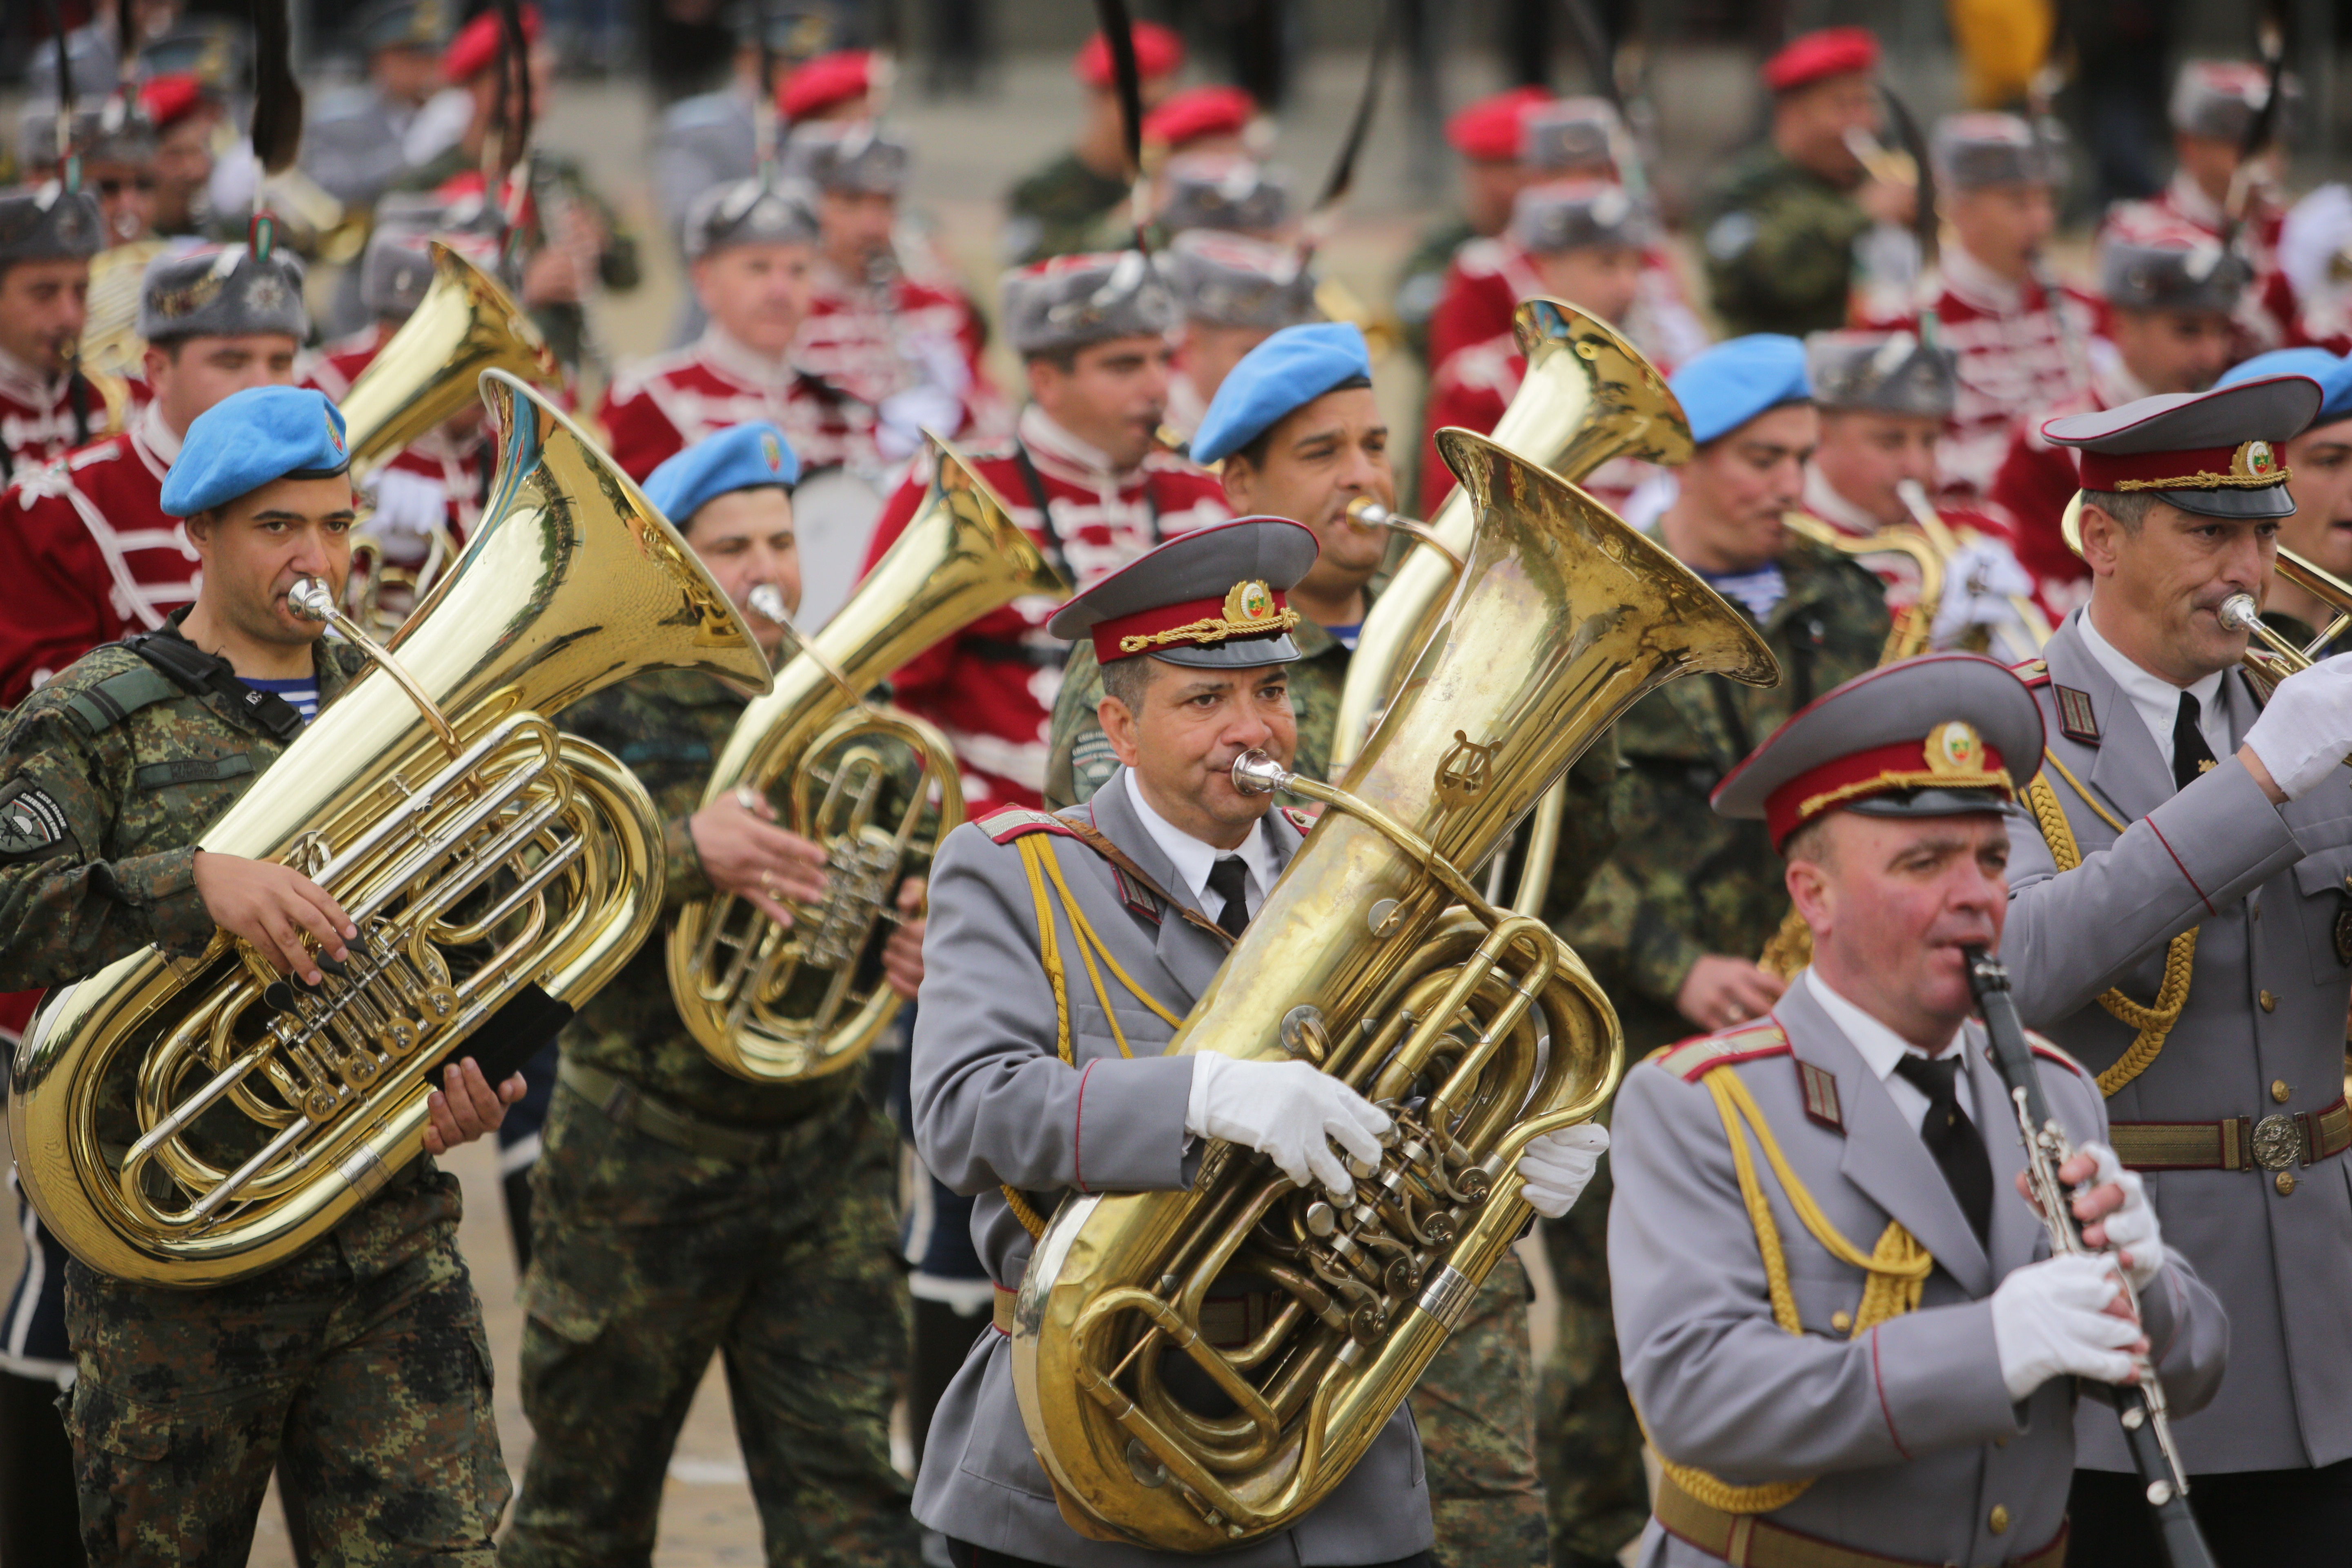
[(354, 146), (1054, 211), (1866, 1357), (2178, 893), (2319, 469), (679, 1211), (1084, 476), (1233, 293), (88, 548), (47, 405), (369, 1341), (1489, 136), (1164, 868)]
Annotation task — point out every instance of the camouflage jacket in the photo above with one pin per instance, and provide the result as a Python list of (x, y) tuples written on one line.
[(1779, 244), (1054, 212), (1684, 882), (667, 727)]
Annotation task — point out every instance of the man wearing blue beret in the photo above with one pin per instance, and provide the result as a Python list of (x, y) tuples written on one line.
[(2319, 467), (759, 1216), (185, 1400), (1675, 920)]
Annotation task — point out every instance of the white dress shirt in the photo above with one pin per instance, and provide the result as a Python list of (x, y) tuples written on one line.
[(1192, 858), (2157, 699), (1882, 1048)]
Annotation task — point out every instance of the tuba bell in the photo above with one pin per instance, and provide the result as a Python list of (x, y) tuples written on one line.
[(774, 1005), (1375, 959), (190, 1122)]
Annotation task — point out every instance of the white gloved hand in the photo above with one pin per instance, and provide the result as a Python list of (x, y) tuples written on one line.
[(905, 413), (2050, 1319), (407, 505), (2305, 731), (1978, 580), (1287, 1111), (1559, 1165), (2133, 1227)]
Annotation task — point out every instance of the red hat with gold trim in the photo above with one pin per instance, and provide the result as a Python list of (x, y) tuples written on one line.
[(1942, 735), (1212, 598)]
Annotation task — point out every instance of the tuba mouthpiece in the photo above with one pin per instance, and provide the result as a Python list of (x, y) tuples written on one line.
[(1366, 512), (311, 599), (2239, 613), (1254, 773), (767, 604)]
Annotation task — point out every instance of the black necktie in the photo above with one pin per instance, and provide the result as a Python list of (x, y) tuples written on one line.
[(1951, 1137), (1229, 879), (2192, 757)]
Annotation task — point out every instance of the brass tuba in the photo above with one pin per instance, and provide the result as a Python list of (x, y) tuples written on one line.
[(188, 1123), (1374, 959), (772, 1005)]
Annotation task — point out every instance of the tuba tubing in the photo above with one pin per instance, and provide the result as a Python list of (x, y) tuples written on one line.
[(574, 582), (960, 557), (1363, 959)]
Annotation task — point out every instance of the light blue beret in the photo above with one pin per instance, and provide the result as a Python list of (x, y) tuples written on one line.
[(2333, 374), (740, 457), (251, 437), (1732, 383), (1294, 366)]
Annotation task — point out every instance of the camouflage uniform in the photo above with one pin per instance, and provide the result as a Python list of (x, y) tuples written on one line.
[(1054, 211), (357, 1366), (1421, 281), (1473, 1404), (1779, 243), (1685, 882), (679, 1210)]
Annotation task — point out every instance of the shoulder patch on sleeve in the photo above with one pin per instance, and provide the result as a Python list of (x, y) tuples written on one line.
[(33, 826), (2075, 720), (1694, 1060), (1007, 823), (108, 703), (1821, 1096)]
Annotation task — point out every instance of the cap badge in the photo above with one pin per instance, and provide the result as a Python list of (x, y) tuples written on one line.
[(1249, 602), (334, 436), (773, 451), (266, 292), (2255, 460), (1954, 747)]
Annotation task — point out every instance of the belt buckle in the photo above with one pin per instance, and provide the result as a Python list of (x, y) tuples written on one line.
[(2278, 1143)]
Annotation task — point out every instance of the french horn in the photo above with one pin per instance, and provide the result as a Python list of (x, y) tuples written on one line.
[(190, 1122), (1374, 959)]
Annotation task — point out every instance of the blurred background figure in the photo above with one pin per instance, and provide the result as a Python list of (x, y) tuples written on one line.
[(1055, 210), (1234, 292), (355, 143)]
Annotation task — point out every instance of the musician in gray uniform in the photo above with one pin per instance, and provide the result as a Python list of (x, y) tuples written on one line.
[(997, 1106), (2178, 924), (1835, 1311), (352, 144)]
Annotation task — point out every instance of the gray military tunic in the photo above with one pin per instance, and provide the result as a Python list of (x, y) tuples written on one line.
[(2262, 885), (1908, 1429), (993, 1104), (352, 144), (711, 138)]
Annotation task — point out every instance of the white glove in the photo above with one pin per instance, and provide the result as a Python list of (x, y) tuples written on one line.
[(1287, 1111), (1559, 1164), (2050, 1319), (2306, 729), (2131, 1229), (407, 505), (905, 413), (1978, 580)]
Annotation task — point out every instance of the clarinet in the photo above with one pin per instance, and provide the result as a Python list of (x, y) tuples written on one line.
[(2147, 1430)]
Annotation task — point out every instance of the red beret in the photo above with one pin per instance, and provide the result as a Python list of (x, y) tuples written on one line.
[(476, 48), (1832, 51), (1197, 112), (824, 81), (168, 100), (1492, 129), (1158, 52)]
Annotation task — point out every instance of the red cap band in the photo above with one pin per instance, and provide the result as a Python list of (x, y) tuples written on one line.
[(1249, 609), (2250, 464), (1952, 757)]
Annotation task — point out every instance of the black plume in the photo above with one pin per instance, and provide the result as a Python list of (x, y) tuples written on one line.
[(277, 96)]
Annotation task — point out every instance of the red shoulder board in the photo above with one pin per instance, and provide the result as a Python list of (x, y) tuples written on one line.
[(2031, 672), (1007, 823), (1693, 1059), (1299, 819)]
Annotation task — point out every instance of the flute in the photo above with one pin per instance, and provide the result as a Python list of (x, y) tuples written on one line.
[(2140, 1407)]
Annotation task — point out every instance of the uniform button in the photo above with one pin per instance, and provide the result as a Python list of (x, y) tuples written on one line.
[(1841, 1322), (1997, 1521), (2284, 1182), (2268, 1002), (2279, 1091)]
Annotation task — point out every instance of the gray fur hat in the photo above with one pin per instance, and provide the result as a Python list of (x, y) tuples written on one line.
[(1571, 133), (1069, 302), (749, 212), (1233, 281), (2174, 269), (1208, 190), (1973, 150), (847, 155), (1882, 372), (2219, 99), (216, 291), (1571, 214), (49, 224)]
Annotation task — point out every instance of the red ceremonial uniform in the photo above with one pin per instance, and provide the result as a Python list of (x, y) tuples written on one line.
[(2037, 479), (456, 467), (867, 343), (2267, 314), (659, 407), (88, 553), (1488, 277), (991, 686), (38, 419), (2018, 349)]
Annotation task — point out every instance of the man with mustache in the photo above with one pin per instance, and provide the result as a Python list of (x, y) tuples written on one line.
[(48, 406)]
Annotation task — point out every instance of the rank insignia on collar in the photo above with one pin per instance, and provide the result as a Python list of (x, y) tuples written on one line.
[(2075, 720), (1821, 1096)]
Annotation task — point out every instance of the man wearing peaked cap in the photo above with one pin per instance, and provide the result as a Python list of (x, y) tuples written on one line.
[(1058, 210), (1936, 1420), (1164, 869), (1489, 136), (762, 1214), (1085, 476), (2319, 465), (1234, 292), (2176, 896), (48, 235), (352, 144), (87, 545), (108, 774)]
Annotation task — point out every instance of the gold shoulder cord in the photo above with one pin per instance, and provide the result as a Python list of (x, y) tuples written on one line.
[(1037, 860), (1897, 1267), (2153, 1022)]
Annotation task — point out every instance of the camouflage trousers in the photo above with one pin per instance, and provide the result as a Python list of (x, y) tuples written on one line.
[(1475, 1408), (647, 1259), (358, 1369), (1589, 1443)]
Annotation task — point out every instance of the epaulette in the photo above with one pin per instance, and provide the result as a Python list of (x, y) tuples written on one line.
[(2049, 1051), (2033, 671), (109, 701), (1693, 1059), (1303, 821), (1007, 823)]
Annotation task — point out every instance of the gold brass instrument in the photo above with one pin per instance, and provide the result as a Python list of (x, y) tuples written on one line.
[(1939, 533), (772, 1005), (2278, 657), (189, 1122), (1375, 959), (1907, 638), (1589, 395)]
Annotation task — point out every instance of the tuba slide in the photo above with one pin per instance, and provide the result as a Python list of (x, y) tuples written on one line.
[(190, 1122), (772, 1005), (1374, 959)]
